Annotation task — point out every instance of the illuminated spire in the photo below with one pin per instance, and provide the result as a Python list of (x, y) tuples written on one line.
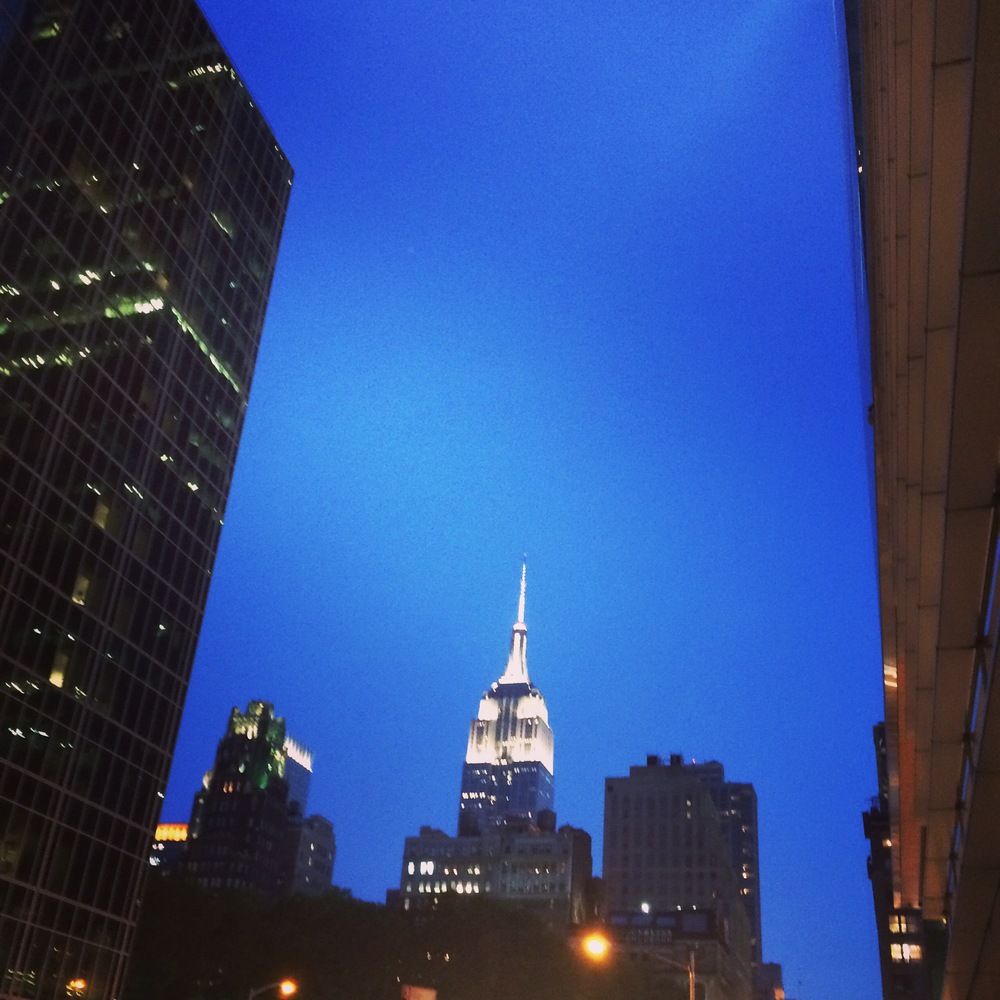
[(517, 661)]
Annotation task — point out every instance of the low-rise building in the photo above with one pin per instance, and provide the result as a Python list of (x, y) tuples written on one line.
[(538, 868)]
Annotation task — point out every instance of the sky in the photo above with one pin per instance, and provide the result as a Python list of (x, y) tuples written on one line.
[(576, 280)]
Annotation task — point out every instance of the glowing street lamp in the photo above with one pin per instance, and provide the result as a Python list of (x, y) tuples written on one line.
[(285, 987), (596, 946), (76, 987)]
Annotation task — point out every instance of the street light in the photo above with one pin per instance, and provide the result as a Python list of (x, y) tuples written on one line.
[(689, 968), (286, 988), (597, 947)]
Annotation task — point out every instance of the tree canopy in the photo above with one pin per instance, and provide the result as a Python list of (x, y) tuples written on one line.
[(193, 944)]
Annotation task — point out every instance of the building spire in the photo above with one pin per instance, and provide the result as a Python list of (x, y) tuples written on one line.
[(520, 603), (517, 661)]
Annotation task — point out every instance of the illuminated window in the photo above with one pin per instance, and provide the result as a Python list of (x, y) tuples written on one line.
[(80, 589), (60, 662), (101, 511), (905, 952), (898, 925)]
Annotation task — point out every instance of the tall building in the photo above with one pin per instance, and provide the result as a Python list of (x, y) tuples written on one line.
[(679, 836), (142, 197), (239, 818), (247, 828), (927, 94), (736, 804), (507, 846), (508, 774)]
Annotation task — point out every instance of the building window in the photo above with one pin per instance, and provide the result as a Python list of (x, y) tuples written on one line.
[(80, 588), (905, 952)]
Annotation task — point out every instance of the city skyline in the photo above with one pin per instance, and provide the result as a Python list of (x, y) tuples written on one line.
[(582, 284)]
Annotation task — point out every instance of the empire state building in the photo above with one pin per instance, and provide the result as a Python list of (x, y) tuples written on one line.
[(507, 775)]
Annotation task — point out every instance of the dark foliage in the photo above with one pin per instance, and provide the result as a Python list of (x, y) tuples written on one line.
[(198, 945)]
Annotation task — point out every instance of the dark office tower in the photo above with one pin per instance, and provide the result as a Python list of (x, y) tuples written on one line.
[(508, 763), (309, 851), (141, 202), (736, 803), (236, 837), (680, 835)]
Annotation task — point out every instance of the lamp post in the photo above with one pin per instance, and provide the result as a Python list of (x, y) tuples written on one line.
[(597, 947), (689, 968), (286, 988)]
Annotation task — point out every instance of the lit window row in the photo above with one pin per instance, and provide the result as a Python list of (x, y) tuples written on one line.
[(462, 888), (905, 952)]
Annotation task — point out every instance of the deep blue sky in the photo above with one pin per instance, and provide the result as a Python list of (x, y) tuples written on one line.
[(578, 282)]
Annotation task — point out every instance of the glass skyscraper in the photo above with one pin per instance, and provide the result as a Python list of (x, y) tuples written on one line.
[(142, 197), (508, 775)]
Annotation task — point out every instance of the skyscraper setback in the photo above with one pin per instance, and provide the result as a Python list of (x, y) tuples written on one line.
[(508, 772), (142, 197)]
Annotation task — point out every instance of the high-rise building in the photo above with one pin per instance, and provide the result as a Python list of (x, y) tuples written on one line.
[(239, 818), (142, 197), (736, 804), (507, 846), (508, 774), (679, 836), (246, 830), (926, 92)]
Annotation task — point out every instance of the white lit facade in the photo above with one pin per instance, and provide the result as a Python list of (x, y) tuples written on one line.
[(508, 772)]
